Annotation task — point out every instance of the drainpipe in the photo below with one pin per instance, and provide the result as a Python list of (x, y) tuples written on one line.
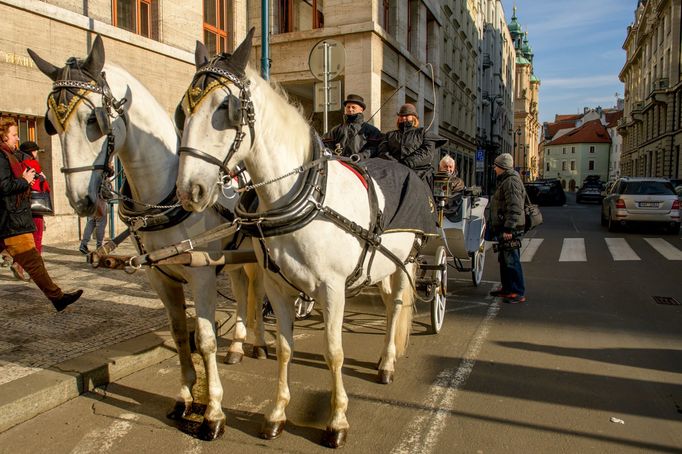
[(264, 40)]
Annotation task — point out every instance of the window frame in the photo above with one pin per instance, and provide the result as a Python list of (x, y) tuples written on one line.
[(138, 23), (221, 35), (287, 25)]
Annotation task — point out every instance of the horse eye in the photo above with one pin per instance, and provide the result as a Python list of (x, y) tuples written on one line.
[(92, 119)]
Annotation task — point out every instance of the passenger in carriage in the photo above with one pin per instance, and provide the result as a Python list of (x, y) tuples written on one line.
[(411, 145), (16, 222), (453, 201), (449, 166), (354, 138)]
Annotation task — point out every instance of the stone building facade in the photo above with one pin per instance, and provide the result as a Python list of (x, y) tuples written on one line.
[(651, 127)]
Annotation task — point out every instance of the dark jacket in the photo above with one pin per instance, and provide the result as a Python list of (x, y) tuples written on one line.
[(414, 148), (357, 137), (506, 206), (15, 205)]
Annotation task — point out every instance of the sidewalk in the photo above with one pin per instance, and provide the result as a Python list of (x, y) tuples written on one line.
[(117, 327)]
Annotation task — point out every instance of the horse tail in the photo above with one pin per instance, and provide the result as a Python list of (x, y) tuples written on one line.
[(404, 324)]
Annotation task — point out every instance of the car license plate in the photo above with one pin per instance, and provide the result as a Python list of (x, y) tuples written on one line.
[(648, 204)]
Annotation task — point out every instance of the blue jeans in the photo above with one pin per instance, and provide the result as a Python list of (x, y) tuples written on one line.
[(511, 273), (99, 226)]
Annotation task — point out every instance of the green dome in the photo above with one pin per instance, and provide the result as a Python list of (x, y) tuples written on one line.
[(521, 60), (514, 27), (526, 49), (534, 78)]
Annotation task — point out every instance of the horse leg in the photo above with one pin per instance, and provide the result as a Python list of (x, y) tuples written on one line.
[(173, 298), (333, 301), (255, 310), (398, 296), (283, 305), (235, 352), (204, 291)]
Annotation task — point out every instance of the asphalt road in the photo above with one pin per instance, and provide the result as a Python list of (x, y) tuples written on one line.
[(589, 364)]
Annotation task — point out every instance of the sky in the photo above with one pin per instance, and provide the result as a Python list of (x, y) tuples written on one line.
[(578, 47)]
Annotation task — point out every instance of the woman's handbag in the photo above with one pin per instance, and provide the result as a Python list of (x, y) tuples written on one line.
[(41, 203)]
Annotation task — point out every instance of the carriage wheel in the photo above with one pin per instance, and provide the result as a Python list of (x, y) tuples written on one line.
[(303, 307), (440, 285), (477, 264)]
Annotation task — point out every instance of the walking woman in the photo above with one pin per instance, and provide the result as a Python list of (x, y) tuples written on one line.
[(16, 221)]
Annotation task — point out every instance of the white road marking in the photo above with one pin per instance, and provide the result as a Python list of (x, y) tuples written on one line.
[(102, 440), (573, 250), (664, 248), (620, 249), (422, 432), (529, 246)]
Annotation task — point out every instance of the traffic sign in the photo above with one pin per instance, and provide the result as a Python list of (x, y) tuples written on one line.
[(334, 96), (337, 59)]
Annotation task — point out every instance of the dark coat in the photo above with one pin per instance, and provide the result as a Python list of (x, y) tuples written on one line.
[(15, 206), (506, 206), (414, 148), (357, 137)]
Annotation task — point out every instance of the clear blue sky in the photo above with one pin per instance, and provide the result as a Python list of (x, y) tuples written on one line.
[(578, 47)]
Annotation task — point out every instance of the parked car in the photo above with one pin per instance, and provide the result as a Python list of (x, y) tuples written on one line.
[(591, 191), (632, 200), (546, 192)]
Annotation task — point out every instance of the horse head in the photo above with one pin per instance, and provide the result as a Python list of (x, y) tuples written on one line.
[(83, 112), (216, 118)]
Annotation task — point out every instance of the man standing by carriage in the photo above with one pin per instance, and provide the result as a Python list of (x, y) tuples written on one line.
[(354, 137), (507, 222)]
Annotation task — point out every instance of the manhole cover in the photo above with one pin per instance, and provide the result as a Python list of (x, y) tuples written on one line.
[(668, 300)]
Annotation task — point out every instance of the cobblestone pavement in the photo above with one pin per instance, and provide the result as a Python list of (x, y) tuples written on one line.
[(115, 306)]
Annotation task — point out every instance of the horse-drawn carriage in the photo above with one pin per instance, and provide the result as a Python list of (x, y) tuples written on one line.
[(299, 211)]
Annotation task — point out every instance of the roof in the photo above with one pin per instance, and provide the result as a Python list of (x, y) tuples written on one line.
[(612, 118), (573, 117), (590, 132), (520, 60)]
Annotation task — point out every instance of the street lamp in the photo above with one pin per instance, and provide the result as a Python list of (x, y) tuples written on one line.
[(491, 101), (517, 141)]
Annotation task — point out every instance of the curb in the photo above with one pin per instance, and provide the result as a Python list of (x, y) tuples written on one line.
[(27, 397)]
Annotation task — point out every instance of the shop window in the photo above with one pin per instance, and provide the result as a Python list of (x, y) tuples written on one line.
[(217, 19), (137, 16), (299, 15)]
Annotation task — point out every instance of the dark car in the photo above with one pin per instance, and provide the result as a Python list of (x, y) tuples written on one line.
[(591, 191), (546, 192)]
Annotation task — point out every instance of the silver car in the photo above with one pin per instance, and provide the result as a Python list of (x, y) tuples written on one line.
[(632, 199)]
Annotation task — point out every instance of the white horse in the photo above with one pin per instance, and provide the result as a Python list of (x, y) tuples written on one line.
[(93, 124), (232, 116)]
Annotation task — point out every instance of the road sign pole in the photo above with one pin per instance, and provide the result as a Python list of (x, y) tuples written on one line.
[(326, 87)]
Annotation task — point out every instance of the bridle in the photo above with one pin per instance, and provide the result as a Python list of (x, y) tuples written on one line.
[(245, 106), (103, 115)]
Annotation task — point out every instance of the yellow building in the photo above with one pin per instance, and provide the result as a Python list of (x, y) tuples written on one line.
[(526, 115), (651, 126)]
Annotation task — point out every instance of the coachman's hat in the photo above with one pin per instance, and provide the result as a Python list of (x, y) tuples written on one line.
[(408, 109), (355, 99)]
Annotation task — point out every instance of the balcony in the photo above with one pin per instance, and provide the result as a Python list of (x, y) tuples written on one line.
[(638, 106), (661, 84)]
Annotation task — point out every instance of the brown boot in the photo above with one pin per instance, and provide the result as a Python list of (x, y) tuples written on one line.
[(35, 267), (66, 299)]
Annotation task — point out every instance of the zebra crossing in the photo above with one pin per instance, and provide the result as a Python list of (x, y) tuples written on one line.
[(575, 249)]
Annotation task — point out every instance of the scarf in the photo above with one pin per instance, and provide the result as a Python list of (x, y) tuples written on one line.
[(17, 170)]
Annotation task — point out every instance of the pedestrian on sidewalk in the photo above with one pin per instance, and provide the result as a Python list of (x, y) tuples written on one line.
[(30, 160), (16, 222), (97, 223), (507, 221)]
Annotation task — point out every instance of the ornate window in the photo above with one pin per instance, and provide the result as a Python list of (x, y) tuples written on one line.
[(136, 16), (217, 20)]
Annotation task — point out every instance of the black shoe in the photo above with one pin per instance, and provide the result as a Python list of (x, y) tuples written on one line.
[(498, 292), (84, 249), (67, 298)]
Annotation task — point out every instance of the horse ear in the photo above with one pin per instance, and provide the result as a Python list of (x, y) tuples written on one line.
[(45, 67), (200, 55), (94, 63), (240, 57)]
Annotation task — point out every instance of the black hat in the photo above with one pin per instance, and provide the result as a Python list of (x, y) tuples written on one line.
[(28, 146), (355, 99), (408, 109)]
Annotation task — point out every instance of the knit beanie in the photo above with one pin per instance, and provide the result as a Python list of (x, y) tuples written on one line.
[(504, 161)]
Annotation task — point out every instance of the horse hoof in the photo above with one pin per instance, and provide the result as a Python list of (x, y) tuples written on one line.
[(233, 358), (259, 352), (180, 411), (334, 438), (210, 430), (385, 377), (271, 429)]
